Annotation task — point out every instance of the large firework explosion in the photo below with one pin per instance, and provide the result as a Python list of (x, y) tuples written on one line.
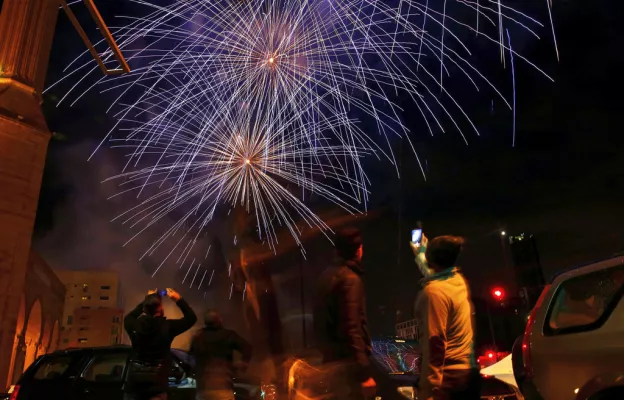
[(239, 102), (245, 161)]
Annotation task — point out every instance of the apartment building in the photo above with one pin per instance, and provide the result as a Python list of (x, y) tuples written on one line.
[(93, 313), (407, 329)]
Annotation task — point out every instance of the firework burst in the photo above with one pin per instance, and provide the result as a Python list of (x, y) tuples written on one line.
[(331, 58), (239, 102), (245, 161)]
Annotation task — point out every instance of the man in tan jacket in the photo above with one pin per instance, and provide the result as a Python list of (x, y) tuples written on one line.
[(444, 313)]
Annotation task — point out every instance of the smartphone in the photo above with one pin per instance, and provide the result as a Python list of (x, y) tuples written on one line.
[(416, 236)]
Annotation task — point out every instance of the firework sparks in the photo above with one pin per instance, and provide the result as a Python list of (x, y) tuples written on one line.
[(240, 102), (347, 55), (246, 161)]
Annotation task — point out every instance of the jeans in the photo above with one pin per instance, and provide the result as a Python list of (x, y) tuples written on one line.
[(145, 396), (215, 395)]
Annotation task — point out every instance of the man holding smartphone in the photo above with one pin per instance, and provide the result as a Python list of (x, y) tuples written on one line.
[(444, 311), (151, 334)]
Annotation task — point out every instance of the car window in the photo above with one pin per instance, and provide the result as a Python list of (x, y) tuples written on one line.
[(52, 367), (106, 368), (582, 302)]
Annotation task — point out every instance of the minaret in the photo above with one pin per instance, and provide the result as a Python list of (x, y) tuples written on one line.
[(26, 32)]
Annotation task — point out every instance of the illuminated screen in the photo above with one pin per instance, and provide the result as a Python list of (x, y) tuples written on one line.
[(396, 356)]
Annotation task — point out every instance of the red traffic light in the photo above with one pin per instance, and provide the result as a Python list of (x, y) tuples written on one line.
[(498, 293)]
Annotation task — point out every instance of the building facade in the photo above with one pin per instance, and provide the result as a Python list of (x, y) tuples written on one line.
[(38, 322), (26, 32), (93, 313), (407, 330), (93, 327)]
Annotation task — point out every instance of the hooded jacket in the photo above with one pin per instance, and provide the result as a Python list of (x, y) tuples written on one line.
[(213, 349), (444, 314), (151, 338), (340, 318)]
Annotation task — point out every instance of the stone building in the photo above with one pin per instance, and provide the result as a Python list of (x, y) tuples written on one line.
[(26, 32), (38, 321)]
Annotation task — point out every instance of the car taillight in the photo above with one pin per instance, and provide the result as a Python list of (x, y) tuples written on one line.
[(526, 339), (14, 391)]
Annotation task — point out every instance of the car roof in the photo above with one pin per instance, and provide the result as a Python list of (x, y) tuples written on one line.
[(98, 349), (588, 268)]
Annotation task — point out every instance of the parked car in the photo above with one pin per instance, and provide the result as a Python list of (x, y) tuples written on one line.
[(573, 345), (99, 373), (397, 361)]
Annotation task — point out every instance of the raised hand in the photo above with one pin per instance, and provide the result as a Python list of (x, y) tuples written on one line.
[(173, 295)]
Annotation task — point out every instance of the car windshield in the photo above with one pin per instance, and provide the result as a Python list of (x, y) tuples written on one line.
[(184, 356)]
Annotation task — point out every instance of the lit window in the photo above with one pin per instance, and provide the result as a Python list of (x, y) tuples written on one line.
[(86, 297), (83, 340)]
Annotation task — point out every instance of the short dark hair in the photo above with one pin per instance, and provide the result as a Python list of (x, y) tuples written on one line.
[(151, 304), (212, 318), (443, 251), (348, 241)]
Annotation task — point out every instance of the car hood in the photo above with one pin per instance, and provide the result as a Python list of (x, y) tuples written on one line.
[(502, 370)]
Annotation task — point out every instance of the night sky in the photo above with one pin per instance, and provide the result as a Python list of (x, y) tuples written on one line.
[(563, 181)]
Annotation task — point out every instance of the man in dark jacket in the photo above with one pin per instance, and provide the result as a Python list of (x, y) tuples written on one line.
[(340, 320), (213, 348), (151, 334)]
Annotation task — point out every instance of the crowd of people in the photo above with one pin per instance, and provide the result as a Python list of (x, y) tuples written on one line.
[(443, 309)]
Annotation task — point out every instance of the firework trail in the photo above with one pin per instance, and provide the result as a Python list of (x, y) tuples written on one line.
[(239, 102)]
